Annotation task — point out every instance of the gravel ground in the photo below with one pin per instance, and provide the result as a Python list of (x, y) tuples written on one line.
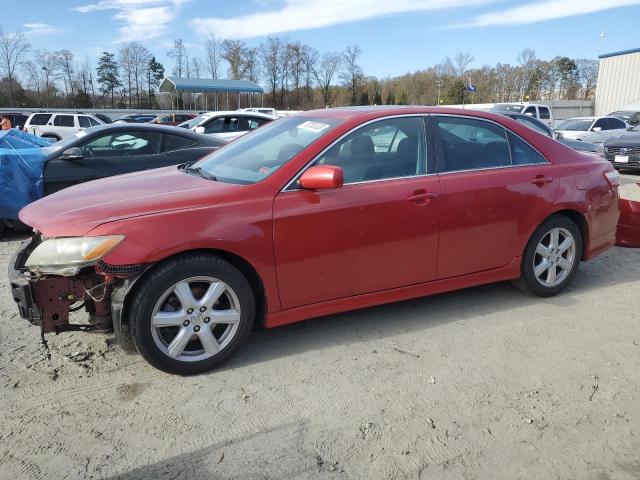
[(481, 383)]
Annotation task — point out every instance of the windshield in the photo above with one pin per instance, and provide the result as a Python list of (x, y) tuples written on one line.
[(507, 107), (576, 124), (194, 121), (258, 154)]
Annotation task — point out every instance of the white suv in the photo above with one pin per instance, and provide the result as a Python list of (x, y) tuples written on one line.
[(535, 110), (57, 126), (229, 125)]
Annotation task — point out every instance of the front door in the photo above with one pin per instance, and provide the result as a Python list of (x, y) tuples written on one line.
[(104, 156), (379, 231)]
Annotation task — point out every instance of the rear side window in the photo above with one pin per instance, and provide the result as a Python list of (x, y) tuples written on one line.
[(534, 125), (84, 122), (544, 113), (254, 122), (93, 122), (613, 123), (176, 142), (470, 144), (522, 153), (63, 121), (40, 119)]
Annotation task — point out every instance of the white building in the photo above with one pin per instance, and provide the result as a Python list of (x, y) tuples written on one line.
[(618, 85)]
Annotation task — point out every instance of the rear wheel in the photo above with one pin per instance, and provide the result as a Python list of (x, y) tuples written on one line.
[(191, 314), (551, 258)]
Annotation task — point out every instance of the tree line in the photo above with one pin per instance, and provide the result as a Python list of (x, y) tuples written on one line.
[(295, 76)]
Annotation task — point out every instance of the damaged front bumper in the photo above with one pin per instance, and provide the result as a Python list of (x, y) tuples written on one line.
[(48, 300)]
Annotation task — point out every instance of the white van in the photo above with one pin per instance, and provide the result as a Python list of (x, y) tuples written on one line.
[(535, 110), (57, 126)]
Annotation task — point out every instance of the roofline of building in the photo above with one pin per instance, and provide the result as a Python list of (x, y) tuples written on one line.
[(621, 52)]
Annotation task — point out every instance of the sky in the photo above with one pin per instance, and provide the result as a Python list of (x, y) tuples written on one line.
[(396, 36)]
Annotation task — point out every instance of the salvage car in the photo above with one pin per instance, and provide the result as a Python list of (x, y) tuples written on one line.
[(317, 213), (120, 148), (590, 129), (624, 150), (537, 125)]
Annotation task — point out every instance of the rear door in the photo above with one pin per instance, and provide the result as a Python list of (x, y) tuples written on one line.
[(494, 187), (105, 155)]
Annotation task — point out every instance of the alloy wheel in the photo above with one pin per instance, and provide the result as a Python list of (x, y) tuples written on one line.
[(554, 257)]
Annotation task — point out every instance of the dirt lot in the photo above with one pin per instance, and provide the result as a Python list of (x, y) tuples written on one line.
[(481, 383)]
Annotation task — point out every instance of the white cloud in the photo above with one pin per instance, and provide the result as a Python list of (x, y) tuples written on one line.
[(297, 15), (544, 10), (41, 29), (140, 19)]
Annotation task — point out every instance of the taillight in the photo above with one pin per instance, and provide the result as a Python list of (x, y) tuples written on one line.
[(613, 177)]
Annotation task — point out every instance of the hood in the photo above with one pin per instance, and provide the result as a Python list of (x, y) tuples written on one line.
[(628, 139), (77, 210)]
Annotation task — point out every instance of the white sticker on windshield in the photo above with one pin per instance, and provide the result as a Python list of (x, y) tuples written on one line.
[(314, 127)]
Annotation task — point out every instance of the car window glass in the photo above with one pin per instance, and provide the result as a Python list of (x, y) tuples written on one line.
[(531, 110), (215, 125), (522, 153), (84, 122), (176, 142), (385, 149), (544, 113), (123, 144), (63, 121), (538, 127), (469, 144), (40, 119), (231, 124), (600, 123), (616, 123), (253, 122), (93, 122)]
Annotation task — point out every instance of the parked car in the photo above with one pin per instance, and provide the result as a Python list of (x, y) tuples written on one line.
[(631, 117), (624, 150), (17, 119), (535, 110), (56, 126), (537, 125), (590, 129), (136, 118), (104, 118), (120, 148), (172, 118), (314, 214), (228, 126), (265, 110)]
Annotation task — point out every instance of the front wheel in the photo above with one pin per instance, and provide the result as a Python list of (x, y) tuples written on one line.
[(191, 314), (551, 257)]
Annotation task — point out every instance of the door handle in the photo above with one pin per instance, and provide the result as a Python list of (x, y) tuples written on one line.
[(422, 197), (541, 180)]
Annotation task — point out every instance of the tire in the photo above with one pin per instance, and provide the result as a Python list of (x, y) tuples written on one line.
[(176, 322), (563, 261)]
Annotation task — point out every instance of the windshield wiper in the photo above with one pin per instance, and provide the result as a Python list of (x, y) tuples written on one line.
[(201, 173)]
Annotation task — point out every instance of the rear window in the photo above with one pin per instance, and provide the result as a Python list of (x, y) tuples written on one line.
[(63, 121), (40, 119)]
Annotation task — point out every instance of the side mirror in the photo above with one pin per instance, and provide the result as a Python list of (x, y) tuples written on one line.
[(322, 176), (73, 153), (596, 129), (199, 130), (630, 128)]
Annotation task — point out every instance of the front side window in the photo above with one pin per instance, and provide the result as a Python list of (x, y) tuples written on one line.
[(84, 122), (255, 156), (600, 123), (470, 144), (544, 113), (389, 148), (530, 110), (254, 122), (222, 125), (93, 121), (123, 144), (63, 121)]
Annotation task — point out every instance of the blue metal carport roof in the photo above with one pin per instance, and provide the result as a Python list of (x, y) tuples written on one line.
[(202, 85)]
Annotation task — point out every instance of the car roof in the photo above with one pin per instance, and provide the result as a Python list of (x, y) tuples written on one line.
[(144, 127)]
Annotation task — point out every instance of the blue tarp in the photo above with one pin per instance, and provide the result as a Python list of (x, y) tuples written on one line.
[(21, 171)]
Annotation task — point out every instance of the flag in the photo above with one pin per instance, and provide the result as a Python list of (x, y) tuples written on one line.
[(470, 86)]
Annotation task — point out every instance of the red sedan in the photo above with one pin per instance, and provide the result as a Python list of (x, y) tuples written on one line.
[(318, 213)]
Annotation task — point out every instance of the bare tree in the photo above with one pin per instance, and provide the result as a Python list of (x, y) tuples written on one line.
[(234, 51), (13, 47), (352, 75), (178, 53), (310, 59), (66, 72), (588, 76), (46, 63), (324, 73), (462, 61), (251, 65), (270, 59), (134, 63), (197, 67), (213, 47), (296, 67), (34, 78)]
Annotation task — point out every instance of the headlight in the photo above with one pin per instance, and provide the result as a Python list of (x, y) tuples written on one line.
[(66, 256)]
